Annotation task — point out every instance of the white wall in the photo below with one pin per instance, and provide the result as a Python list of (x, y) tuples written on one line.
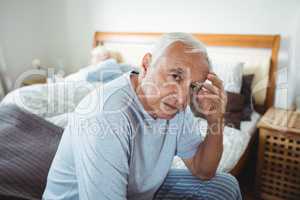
[(297, 61), (21, 34), (80, 33), (252, 16), (295, 64), (44, 30), (55, 32)]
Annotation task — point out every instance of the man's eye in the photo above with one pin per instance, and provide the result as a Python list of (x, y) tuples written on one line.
[(196, 86), (176, 77)]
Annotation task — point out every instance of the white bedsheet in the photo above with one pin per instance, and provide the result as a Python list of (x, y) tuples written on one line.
[(235, 143)]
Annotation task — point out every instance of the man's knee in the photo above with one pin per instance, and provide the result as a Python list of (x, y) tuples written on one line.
[(223, 186), (227, 178)]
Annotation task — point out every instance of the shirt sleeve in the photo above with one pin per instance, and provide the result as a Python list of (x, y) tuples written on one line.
[(101, 155), (190, 137)]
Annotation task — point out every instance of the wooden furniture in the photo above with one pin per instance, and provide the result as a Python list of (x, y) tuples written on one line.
[(32, 81), (271, 42), (278, 165)]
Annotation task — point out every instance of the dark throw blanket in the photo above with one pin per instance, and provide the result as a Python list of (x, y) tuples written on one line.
[(28, 144)]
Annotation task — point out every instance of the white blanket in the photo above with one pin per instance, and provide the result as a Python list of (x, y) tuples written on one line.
[(51, 101)]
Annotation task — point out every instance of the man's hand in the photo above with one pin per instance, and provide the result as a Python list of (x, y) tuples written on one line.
[(211, 99)]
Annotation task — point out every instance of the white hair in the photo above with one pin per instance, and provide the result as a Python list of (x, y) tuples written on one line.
[(194, 45)]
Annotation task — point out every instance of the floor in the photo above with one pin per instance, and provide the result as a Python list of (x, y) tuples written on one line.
[(247, 177)]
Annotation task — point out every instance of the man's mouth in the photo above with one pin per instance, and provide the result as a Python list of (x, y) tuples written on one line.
[(171, 107)]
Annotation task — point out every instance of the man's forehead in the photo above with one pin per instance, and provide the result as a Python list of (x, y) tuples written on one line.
[(195, 69), (189, 73), (180, 52)]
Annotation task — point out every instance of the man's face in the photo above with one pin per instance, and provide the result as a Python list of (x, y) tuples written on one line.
[(166, 86)]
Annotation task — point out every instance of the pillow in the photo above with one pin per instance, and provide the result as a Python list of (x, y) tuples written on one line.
[(247, 93), (101, 72), (104, 71), (235, 102), (234, 110), (80, 75), (28, 144), (233, 119), (107, 71), (230, 73), (99, 54)]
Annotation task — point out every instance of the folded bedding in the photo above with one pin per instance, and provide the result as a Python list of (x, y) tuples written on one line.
[(51, 100), (106, 71), (102, 72)]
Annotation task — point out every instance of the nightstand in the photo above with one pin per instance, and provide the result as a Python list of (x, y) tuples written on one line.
[(278, 163)]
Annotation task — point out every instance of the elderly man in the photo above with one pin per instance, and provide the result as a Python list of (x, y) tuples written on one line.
[(122, 138)]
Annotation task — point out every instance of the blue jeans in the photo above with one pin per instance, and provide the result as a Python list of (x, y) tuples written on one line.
[(181, 184)]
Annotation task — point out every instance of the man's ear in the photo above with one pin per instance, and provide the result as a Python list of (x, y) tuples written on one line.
[(146, 63)]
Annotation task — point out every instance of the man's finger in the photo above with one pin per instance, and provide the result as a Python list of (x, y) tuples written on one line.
[(211, 88), (212, 97), (215, 80)]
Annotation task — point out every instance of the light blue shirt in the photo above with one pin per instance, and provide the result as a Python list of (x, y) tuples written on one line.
[(113, 149)]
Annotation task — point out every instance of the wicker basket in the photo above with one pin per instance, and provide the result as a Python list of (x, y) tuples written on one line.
[(278, 172)]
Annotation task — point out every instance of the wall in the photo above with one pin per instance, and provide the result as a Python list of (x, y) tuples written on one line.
[(80, 33), (37, 29), (21, 34), (55, 33), (255, 16), (295, 65), (297, 61)]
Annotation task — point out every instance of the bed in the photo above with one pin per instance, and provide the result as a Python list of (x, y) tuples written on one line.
[(260, 56), (54, 102)]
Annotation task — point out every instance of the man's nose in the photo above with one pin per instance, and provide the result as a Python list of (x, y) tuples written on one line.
[(182, 98)]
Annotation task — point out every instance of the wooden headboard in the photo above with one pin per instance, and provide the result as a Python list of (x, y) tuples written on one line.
[(271, 42)]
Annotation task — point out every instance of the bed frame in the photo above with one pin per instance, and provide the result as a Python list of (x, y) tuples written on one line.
[(271, 42)]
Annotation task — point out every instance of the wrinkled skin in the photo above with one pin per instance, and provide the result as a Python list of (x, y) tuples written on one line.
[(164, 87)]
